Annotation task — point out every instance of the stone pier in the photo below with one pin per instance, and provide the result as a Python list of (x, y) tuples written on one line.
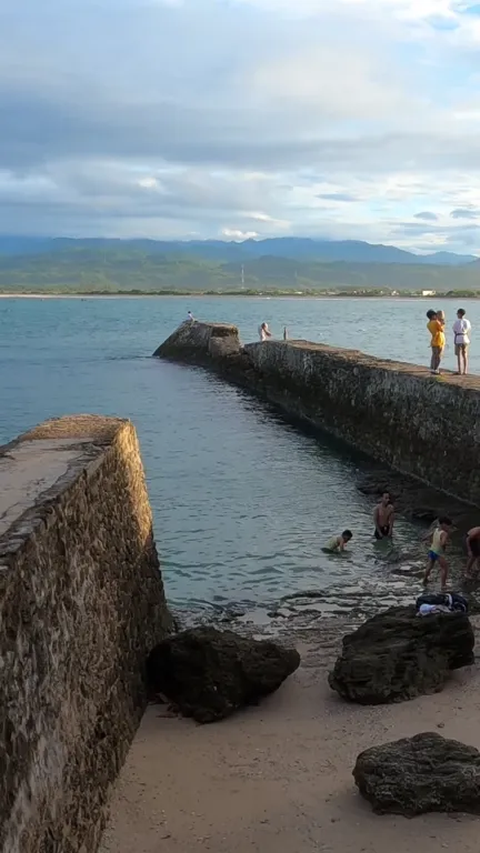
[(422, 425), (81, 604)]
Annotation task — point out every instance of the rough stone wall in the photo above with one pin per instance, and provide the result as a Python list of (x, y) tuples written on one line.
[(81, 604), (422, 425)]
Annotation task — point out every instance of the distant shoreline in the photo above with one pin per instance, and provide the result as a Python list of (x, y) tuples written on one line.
[(235, 295)]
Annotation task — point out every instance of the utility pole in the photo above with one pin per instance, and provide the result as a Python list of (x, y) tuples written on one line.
[(243, 276)]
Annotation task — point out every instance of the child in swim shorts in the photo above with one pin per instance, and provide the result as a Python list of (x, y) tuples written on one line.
[(438, 539)]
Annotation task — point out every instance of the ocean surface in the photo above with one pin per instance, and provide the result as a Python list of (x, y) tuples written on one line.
[(242, 501)]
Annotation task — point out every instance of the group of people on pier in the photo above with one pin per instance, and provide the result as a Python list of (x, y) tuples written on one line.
[(264, 332), (436, 326), (438, 538), (461, 339)]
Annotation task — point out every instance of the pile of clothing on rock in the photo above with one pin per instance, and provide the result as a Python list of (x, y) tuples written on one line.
[(430, 603)]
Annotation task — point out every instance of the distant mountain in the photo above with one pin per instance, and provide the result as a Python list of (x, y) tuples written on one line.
[(302, 249), (447, 259), (119, 267), (24, 245), (305, 249)]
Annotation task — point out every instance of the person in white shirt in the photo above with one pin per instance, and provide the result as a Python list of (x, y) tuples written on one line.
[(190, 317), (461, 330), (264, 332)]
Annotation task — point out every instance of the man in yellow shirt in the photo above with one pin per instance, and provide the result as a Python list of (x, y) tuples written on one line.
[(437, 343)]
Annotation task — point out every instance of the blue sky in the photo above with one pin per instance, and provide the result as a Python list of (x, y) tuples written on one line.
[(231, 118)]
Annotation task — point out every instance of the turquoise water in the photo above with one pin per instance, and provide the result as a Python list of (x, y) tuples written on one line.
[(242, 502)]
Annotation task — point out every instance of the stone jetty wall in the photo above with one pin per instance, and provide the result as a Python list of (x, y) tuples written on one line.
[(81, 605), (422, 425)]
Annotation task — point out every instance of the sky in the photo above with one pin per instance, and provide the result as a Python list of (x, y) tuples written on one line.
[(229, 119)]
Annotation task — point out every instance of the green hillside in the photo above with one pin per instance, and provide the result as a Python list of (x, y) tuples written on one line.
[(113, 269)]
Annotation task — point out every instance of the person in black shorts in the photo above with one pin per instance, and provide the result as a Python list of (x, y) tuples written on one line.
[(473, 550), (383, 517)]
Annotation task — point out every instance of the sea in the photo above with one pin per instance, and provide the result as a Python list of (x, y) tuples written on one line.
[(243, 502)]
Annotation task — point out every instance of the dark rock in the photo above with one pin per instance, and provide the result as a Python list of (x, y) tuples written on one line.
[(208, 673), (397, 655), (201, 343), (425, 773)]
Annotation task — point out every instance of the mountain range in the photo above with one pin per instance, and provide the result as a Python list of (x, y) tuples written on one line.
[(301, 249), (122, 268)]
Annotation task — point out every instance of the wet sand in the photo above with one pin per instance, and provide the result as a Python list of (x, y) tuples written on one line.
[(277, 778)]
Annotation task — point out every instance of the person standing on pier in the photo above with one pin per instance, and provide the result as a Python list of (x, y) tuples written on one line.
[(383, 517), (437, 342), (264, 332), (461, 330)]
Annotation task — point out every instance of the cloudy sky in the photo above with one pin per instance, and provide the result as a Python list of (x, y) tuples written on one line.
[(230, 118)]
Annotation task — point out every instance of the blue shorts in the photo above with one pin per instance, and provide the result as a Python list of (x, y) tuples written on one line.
[(433, 556)]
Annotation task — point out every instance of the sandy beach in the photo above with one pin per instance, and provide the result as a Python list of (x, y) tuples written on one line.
[(278, 778)]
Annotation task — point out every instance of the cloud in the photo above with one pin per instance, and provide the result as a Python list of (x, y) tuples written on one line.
[(426, 215), (180, 117), (465, 213), (237, 235), (339, 196)]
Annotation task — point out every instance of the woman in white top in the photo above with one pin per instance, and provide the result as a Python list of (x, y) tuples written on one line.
[(461, 330), (264, 332)]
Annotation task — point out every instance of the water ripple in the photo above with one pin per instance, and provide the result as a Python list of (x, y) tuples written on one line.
[(243, 503)]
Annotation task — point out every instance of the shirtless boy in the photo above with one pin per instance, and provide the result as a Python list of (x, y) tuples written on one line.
[(438, 538), (473, 549), (383, 517)]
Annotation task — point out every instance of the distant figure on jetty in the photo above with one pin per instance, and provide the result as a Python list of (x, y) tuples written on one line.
[(461, 331), (473, 551), (383, 517), (285, 333), (190, 317), (264, 332), (337, 543), (437, 342), (438, 539)]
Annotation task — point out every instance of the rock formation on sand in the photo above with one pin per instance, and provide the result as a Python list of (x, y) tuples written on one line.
[(425, 773), (397, 655), (208, 674)]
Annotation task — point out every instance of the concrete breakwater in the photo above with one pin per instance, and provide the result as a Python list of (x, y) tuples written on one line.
[(421, 425), (81, 606)]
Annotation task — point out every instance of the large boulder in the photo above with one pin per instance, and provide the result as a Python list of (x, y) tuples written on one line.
[(425, 773), (201, 343), (398, 655), (208, 674)]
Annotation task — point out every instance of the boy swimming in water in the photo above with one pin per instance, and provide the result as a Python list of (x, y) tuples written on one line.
[(438, 538), (336, 544)]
